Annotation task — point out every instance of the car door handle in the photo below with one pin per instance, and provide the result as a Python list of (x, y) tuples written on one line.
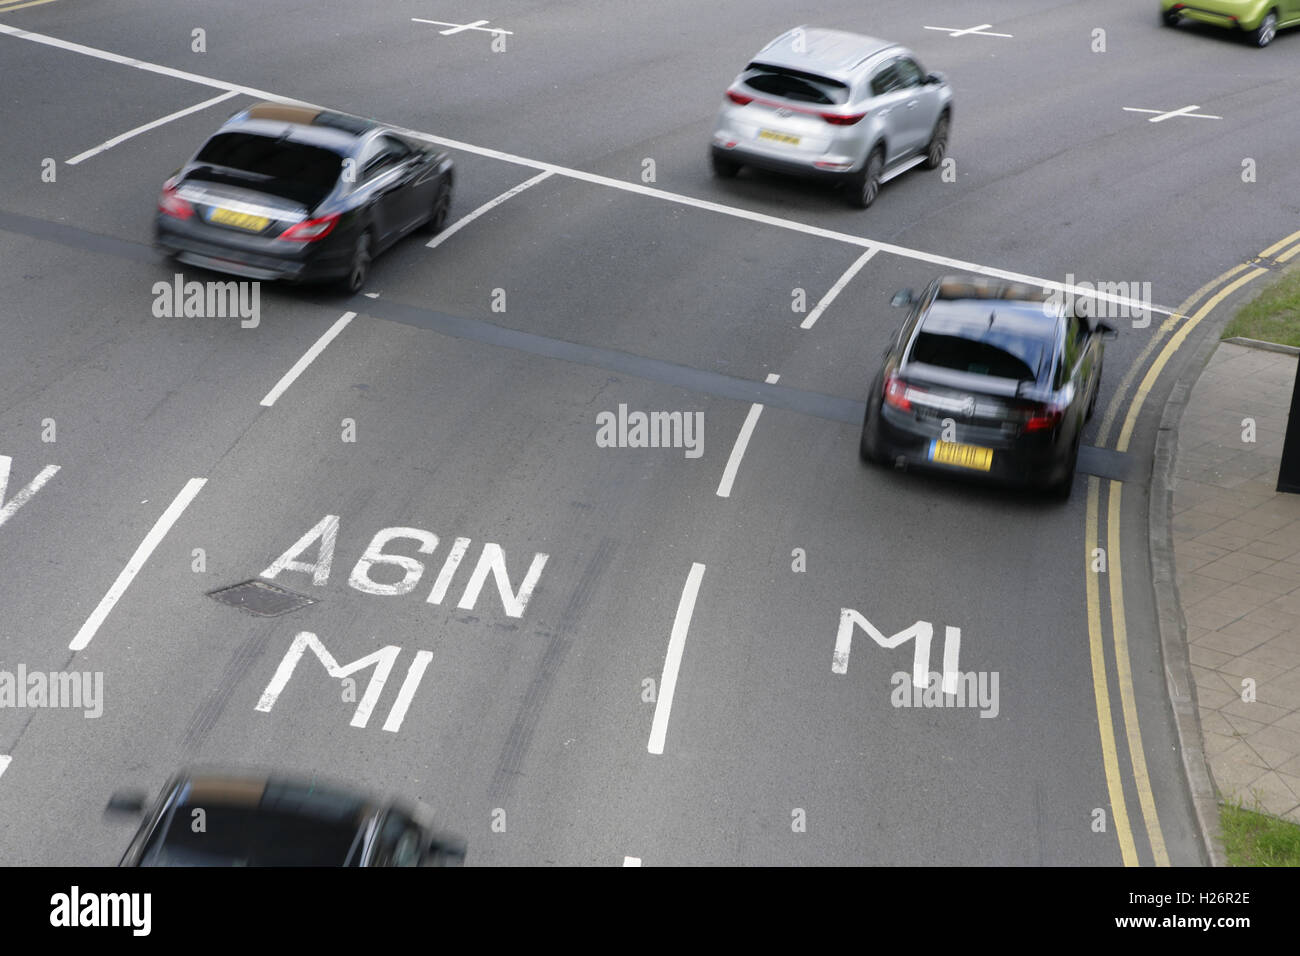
[(912, 105)]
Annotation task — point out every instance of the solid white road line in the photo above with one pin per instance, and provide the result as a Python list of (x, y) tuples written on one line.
[(673, 660), (836, 289), (109, 144), (742, 442), (627, 860), (632, 187), (308, 357), (4, 763), (142, 553), (464, 221)]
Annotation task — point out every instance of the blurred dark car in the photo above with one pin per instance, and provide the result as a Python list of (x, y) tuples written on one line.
[(286, 192), (257, 820), (986, 379)]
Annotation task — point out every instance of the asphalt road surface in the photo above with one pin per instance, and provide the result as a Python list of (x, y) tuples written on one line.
[(564, 610)]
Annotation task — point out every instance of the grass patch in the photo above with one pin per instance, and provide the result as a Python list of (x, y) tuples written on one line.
[(1273, 315), (1256, 839)]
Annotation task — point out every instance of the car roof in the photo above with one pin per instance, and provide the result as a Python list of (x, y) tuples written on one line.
[(963, 303), (835, 53), (308, 797), (337, 132)]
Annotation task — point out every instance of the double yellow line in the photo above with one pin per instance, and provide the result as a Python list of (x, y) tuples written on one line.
[(1177, 327)]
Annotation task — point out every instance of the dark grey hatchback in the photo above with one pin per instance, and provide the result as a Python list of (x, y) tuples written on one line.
[(287, 192), (988, 379), (251, 819)]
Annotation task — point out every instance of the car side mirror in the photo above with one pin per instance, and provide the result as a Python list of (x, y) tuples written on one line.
[(1107, 331), (933, 78), (901, 298), (445, 851), (127, 802)]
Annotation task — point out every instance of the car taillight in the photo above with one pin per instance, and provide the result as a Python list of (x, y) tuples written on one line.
[(896, 394), (1044, 418), (171, 204), (740, 99), (309, 230), (840, 119)]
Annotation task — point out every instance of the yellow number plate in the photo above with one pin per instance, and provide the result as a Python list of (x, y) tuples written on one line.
[(963, 456), (778, 137), (240, 220)]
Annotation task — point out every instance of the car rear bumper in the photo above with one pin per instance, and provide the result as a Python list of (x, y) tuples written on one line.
[(1231, 18), (250, 258), (805, 169), (1026, 463)]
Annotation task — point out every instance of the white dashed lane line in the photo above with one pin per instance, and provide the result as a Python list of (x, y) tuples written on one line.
[(308, 357), (742, 442), (161, 121), (461, 223), (142, 553), (663, 195), (673, 659), (836, 289)]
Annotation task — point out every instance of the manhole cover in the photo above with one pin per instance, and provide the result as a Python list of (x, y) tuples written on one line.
[(260, 598)]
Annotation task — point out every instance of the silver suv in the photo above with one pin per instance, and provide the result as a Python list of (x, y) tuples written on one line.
[(835, 105)]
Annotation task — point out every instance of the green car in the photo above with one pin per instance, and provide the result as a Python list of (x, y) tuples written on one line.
[(1258, 19)]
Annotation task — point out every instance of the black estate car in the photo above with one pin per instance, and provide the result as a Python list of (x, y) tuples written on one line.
[(205, 818), (986, 378), (287, 192)]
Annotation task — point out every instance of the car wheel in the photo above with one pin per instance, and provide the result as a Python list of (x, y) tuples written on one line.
[(359, 267), (1096, 390), (724, 168), (865, 185), (1061, 490), (1171, 18), (1267, 30), (438, 218), (867, 445), (938, 148)]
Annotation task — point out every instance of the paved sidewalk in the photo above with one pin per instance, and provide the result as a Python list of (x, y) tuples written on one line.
[(1237, 554)]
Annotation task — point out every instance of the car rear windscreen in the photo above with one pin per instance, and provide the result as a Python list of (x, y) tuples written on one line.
[(992, 351), (241, 836), (296, 171), (795, 85)]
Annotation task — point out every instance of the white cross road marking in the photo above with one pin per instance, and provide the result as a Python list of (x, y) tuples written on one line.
[(1162, 115), (4, 765), (461, 27), (980, 31), (631, 861)]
